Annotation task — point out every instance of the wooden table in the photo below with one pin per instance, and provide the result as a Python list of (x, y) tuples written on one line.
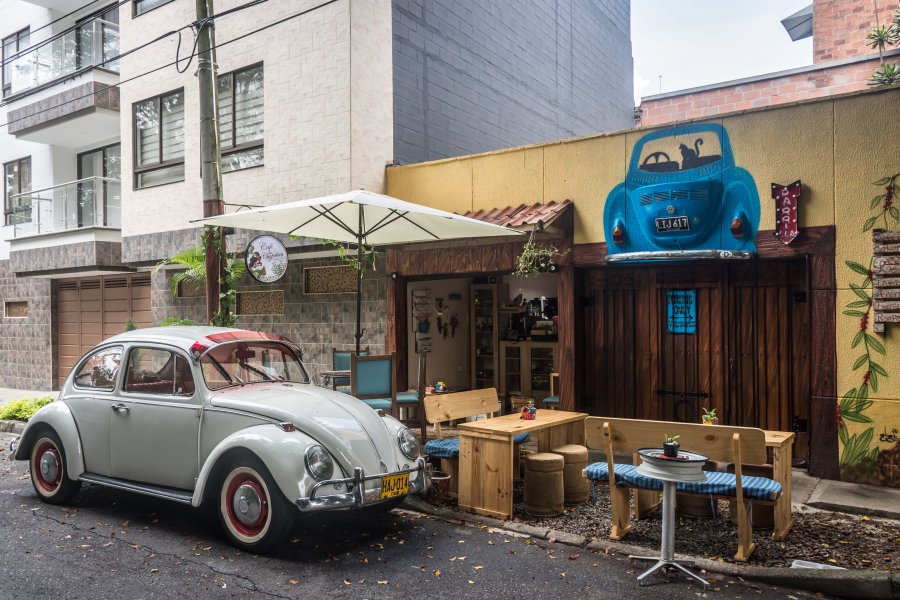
[(781, 444), (334, 375), (486, 455)]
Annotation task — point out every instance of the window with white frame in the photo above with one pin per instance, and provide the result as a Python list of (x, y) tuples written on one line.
[(241, 118), (159, 140)]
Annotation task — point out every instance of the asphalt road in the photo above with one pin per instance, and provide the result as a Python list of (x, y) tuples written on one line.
[(111, 544)]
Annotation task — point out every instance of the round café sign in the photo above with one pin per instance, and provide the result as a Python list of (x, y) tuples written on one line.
[(266, 259)]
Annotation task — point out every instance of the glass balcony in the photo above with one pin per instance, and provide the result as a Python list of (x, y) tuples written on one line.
[(90, 202), (92, 44)]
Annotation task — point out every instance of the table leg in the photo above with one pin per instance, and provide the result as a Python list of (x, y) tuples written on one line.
[(667, 549)]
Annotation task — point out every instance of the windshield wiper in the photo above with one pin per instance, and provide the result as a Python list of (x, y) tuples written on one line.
[(222, 371), (259, 372)]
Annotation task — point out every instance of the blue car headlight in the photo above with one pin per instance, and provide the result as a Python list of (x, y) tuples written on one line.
[(409, 445), (319, 463)]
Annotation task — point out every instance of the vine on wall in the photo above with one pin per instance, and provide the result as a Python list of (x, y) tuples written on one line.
[(860, 460)]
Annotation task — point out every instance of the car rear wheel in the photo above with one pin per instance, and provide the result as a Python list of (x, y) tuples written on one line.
[(48, 470), (252, 510)]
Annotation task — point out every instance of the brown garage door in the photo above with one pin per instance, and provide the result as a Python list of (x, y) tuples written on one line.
[(92, 309)]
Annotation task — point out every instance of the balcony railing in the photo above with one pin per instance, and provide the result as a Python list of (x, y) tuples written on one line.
[(90, 202), (92, 44)]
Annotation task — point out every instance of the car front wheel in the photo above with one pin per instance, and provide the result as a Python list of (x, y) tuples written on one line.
[(253, 513), (48, 470)]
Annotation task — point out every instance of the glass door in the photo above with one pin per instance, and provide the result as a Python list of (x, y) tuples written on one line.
[(542, 365), (484, 335)]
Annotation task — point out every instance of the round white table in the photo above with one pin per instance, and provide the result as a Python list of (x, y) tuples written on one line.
[(686, 467)]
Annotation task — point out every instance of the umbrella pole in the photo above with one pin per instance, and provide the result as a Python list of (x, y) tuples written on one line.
[(359, 275)]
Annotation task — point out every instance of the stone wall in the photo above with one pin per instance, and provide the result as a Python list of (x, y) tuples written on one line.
[(26, 343)]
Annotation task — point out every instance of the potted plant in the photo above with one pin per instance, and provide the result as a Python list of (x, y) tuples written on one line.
[(709, 417), (536, 258), (670, 446)]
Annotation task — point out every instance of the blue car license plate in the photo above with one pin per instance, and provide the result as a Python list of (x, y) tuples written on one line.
[(667, 224), (394, 485)]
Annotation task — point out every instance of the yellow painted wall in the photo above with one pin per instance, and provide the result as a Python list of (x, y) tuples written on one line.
[(836, 146)]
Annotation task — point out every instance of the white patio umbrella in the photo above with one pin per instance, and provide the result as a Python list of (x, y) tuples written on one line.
[(363, 218)]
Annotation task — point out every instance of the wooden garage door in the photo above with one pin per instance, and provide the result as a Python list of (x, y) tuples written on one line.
[(92, 309)]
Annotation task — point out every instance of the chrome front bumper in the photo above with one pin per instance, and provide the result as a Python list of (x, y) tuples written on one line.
[(358, 496)]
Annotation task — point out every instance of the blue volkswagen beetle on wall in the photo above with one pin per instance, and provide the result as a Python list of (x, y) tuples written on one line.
[(682, 198)]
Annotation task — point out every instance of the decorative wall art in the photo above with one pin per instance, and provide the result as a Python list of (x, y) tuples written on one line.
[(329, 280), (422, 311), (786, 198), (681, 311), (266, 259), (683, 197)]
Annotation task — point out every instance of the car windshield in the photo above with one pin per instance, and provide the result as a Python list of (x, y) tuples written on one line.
[(239, 363), (680, 152)]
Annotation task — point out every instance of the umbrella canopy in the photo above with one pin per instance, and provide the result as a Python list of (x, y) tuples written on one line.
[(360, 217)]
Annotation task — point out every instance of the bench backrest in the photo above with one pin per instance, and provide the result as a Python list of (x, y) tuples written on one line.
[(440, 408), (715, 441)]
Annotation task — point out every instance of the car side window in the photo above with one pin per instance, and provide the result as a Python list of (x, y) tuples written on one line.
[(99, 370), (157, 371)]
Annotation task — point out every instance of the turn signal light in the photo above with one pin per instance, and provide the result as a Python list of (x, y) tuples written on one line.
[(737, 227)]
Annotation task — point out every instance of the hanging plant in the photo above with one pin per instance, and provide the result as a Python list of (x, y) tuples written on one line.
[(536, 258)]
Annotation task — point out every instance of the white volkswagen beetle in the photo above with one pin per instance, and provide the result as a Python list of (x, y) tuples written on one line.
[(224, 417)]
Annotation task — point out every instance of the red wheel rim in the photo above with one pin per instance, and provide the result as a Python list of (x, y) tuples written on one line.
[(49, 486), (253, 529)]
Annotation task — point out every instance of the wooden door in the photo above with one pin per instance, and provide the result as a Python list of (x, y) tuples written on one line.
[(91, 309), (747, 355)]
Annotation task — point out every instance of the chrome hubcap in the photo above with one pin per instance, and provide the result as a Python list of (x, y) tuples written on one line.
[(49, 466), (247, 504)]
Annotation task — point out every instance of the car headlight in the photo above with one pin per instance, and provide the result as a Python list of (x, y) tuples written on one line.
[(409, 445), (319, 463)]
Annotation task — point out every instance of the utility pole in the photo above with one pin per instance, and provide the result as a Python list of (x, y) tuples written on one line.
[(210, 156)]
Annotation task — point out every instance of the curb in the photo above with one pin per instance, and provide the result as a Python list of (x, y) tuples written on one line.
[(16, 427), (874, 585)]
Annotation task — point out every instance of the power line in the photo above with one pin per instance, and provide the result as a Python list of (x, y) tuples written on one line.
[(175, 62)]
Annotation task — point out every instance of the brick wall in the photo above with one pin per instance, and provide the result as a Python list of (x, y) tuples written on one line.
[(477, 75), (792, 86), (840, 26)]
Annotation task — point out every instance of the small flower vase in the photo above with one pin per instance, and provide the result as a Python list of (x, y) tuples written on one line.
[(670, 450), (711, 421), (527, 414)]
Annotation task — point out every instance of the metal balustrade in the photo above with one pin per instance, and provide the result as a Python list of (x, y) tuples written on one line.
[(89, 202), (91, 44)]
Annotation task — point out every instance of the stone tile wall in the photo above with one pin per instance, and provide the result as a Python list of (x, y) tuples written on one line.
[(27, 360), (68, 257), (86, 97)]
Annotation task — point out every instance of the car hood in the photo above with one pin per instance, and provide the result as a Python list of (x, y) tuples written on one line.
[(354, 433)]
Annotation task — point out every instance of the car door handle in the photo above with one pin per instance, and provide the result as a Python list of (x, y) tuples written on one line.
[(121, 408)]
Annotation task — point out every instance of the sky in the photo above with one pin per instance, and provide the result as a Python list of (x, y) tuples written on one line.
[(700, 42)]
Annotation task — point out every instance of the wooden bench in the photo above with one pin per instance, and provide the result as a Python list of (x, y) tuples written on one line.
[(442, 408), (738, 445)]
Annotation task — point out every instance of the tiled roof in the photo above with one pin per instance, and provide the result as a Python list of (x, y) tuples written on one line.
[(522, 215)]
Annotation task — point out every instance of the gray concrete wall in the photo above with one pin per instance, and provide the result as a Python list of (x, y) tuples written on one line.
[(478, 75), (26, 344)]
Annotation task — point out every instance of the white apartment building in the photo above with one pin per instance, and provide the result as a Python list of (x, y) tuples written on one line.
[(100, 142)]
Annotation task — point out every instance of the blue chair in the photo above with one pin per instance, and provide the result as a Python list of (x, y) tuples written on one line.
[(416, 399), (373, 379), (552, 401), (340, 361)]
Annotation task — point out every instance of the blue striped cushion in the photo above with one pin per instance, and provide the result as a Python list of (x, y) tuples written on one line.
[(407, 397), (598, 471), (716, 484), (378, 403), (449, 448), (551, 400)]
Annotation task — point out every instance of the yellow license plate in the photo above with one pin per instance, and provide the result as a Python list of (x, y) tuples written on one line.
[(394, 485)]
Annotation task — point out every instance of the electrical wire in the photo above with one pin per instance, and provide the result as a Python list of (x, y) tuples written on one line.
[(151, 71)]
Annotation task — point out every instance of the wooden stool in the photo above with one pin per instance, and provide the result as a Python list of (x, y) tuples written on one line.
[(544, 495), (575, 457)]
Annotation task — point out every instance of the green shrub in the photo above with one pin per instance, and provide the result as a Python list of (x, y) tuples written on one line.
[(23, 409), (176, 321)]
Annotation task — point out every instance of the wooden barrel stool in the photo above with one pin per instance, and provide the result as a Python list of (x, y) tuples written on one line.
[(575, 486), (761, 516), (544, 494)]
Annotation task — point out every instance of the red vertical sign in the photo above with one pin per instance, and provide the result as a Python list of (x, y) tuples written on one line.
[(786, 197)]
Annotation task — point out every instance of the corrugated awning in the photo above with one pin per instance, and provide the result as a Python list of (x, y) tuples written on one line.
[(522, 216)]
